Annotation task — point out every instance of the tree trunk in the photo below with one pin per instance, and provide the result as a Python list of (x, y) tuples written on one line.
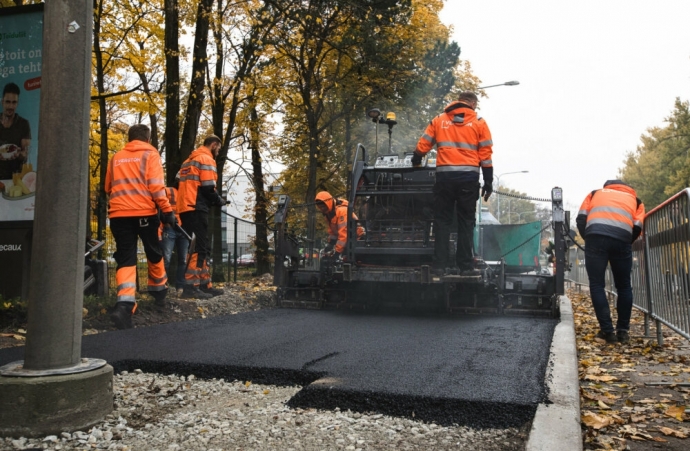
[(263, 264), (196, 89), (102, 200), (173, 157)]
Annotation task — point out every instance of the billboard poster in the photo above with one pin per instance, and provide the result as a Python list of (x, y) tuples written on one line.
[(21, 42)]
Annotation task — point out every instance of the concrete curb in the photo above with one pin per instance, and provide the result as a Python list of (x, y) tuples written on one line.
[(557, 425)]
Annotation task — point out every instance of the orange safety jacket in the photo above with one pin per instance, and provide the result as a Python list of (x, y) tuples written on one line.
[(198, 178), (134, 181), (463, 143), (337, 220), (614, 211)]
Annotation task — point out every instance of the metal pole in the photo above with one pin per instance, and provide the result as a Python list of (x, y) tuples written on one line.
[(57, 258), (498, 198), (235, 251), (559, 243)]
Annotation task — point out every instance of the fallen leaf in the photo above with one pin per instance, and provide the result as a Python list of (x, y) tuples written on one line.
[(637, 418), (594, 421), (248, 383), (267, 391), (19, 337), (602, 405), (591, 377), (673, 432), (675, 412)]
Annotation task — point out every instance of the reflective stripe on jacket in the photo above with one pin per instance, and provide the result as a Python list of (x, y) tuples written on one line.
[(198, 178), (463, 142), (134, 181), (613, 211)]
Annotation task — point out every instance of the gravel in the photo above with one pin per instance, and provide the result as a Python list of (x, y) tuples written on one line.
[(168, 412)]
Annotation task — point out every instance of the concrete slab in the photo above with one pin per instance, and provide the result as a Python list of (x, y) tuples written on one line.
[(556, 424)]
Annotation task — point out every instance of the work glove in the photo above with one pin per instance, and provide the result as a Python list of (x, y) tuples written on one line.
[(487, 189), (337, 256), (328, 248), (416, 160), (169, 218)]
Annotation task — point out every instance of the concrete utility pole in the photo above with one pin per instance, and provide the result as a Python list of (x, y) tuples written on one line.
[(54, 389)]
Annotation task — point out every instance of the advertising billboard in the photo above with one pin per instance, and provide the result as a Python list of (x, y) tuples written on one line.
[(21, 35)]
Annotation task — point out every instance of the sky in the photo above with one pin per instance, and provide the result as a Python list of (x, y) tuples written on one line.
[(594, 76)]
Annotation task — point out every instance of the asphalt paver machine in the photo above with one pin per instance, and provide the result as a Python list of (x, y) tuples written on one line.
[(390, 265)]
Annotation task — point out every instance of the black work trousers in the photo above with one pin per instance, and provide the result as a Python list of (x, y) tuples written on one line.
[(459, 198), (127, 231), (196, 222)]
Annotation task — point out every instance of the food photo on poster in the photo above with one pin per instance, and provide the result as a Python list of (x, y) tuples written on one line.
[(20, 83)]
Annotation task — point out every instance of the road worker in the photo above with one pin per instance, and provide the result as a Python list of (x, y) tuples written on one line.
[(172, 237), (335, 212), (196, 195), (134, 181), (464, 146), (610, 220)]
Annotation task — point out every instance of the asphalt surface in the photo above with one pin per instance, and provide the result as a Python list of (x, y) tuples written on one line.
[(480, 371)]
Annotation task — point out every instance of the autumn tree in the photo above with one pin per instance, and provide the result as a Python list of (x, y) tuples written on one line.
[(125, 48), (660, 166)]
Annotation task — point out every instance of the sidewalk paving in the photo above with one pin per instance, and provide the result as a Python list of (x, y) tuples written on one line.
[(632, 396)]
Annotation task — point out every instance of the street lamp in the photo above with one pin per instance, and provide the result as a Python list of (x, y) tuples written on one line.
[(498, 188), (508, 83)]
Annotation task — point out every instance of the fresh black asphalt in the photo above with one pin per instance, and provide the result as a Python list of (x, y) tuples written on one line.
[(481, 371)]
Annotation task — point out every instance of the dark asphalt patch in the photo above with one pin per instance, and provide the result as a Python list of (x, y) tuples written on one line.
[(442, 411), (475, 370)]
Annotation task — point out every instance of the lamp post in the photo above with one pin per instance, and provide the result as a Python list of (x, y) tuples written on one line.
[(498, 188), (508, 83)]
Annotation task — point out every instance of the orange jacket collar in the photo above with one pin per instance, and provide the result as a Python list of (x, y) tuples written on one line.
[(458, 107), (202, 150), (137, 146)]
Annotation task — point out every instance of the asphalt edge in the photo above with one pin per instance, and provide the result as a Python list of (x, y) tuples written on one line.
[(556, 425)]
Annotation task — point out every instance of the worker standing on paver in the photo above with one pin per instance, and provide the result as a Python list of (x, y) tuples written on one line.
[(464, 146), (134, 181), (196, 195), (610, 220)]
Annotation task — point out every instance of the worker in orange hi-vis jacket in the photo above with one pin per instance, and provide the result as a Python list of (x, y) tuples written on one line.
[(610, 220), (335, 212), (464, 148), (134, 181), (196, 195)]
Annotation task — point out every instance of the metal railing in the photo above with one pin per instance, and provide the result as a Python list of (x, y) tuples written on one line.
[(660, 270), (667, 253)]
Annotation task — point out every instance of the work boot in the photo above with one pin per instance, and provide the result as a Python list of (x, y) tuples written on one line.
[(122, 315), (159, 297), (192, 292), (609, 337), (212, 291), (623, 336)]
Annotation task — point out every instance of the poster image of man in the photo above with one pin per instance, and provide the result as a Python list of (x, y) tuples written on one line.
[(15, 134)]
